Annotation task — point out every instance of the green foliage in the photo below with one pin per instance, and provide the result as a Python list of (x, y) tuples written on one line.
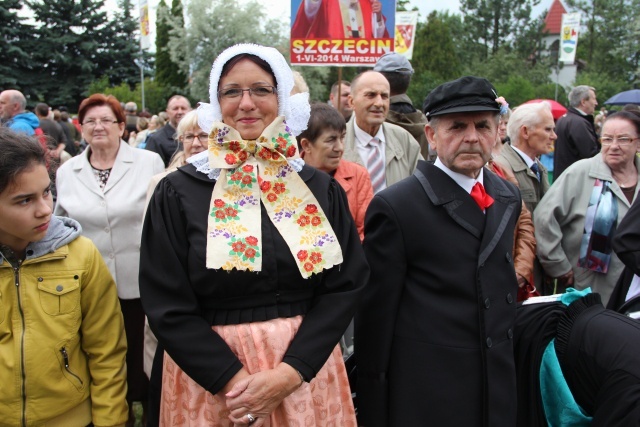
[(605, 84), (317, 78), (493, 24), (611, 43), (402, 6), (167, 72), (155, 95), (516, 90), (122, 48), (15, 40), (421, 84), (215, 25), (71, 37), (178, 57), (68, 45), (435, 47)]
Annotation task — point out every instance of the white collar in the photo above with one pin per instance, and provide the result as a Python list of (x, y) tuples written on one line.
[(363, 138), (463, 181), (201, 163), (528, 160)]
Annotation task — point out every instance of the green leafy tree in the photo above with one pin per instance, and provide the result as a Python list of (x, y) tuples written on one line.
[(606, 85), (403, 6), (516, 90), (435, 49), (610, 45), (493, 24), (71, 39), (317, 78), (155, 95), (178, 56), (168, 73), (15, 39), (123, 48), (215, 25), (435, 56)]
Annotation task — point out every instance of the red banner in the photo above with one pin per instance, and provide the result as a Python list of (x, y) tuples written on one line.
[(338, 51), (341, 32)]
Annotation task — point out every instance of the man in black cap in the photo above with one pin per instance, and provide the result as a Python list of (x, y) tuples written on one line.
[(434, 332), (397, 70)]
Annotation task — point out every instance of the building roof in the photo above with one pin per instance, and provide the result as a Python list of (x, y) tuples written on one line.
[(553, 21)]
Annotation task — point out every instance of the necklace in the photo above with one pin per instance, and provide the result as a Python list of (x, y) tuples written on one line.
[(623, 183)]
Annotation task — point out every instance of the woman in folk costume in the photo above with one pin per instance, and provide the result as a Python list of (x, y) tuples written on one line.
[(251, 264)]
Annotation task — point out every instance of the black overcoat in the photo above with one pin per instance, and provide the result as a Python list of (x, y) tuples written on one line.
[(434, 332)]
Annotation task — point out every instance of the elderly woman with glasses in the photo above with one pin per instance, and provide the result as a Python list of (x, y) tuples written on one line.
[(251, 264), (104, 189), (576, 219)]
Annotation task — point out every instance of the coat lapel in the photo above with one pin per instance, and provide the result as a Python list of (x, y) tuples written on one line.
[(85, 174), (350, 148), (121, 166), (392, 148), (444, 191), (497, 215)]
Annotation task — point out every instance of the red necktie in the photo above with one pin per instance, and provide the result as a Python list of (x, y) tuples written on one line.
[(481, 197)]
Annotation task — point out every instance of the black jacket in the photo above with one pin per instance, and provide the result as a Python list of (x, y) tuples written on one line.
[(434, 330), (577, 140), (598, 354), (163, 142), (183, 298), (626, 244)]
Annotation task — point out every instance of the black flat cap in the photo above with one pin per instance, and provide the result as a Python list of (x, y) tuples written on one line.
[(468, 93)]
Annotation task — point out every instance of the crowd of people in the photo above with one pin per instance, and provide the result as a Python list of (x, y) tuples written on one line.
[(219, 264)]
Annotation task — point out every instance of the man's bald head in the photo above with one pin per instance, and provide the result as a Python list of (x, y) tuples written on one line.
[(12, 102)]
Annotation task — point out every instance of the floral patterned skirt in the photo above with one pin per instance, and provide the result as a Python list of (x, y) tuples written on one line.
[(325, 401)]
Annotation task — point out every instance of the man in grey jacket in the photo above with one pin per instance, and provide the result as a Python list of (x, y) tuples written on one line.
[(532, 133), (388, 152)]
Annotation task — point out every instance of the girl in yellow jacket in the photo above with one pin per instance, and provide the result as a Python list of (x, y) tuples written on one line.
[(62, 341)]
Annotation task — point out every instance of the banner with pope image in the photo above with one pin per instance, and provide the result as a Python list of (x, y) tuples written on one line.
[(341, 32)]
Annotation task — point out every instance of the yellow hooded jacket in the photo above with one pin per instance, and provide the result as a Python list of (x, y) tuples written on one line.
[(62, 339)]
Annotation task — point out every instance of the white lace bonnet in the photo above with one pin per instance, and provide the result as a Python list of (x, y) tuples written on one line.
[(295, 109)]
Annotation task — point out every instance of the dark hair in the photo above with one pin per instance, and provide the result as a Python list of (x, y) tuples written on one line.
[(42, 109), (18, 153), (323, 117), (334, 87), (100, 100), (398, 82), (631, 116), (631, 107), (255, 59)]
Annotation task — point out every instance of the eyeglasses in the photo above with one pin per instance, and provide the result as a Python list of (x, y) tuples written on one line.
[(622, 140), (236, 92), (190, 137), (90, 124)]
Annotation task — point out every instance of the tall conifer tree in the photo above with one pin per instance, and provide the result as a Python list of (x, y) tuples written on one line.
[(119, 61), (71, 40), (15, 38)]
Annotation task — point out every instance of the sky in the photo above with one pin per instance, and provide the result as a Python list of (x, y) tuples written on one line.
[(281, 9)]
